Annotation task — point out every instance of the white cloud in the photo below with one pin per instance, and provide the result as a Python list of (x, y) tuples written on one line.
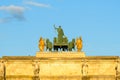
[(12, 8), (37, 4), (16, 12), (4, 20)]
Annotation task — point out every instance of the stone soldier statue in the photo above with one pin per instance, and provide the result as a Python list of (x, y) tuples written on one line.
[(84, 69), (117, 68), (36, 71), (60, 33), (2, 70)]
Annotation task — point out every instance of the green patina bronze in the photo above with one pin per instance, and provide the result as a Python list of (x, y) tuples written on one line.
[(48, 45), (61, 41)]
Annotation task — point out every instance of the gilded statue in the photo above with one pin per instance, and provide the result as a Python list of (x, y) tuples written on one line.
[(79, 44), (41, 44)]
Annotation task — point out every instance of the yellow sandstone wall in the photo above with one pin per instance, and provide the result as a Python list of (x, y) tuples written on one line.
[(18, 67), (60, 68), (102, 67)]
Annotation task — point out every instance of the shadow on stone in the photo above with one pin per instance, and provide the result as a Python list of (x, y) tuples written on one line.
[(85, 78), (36, 78)]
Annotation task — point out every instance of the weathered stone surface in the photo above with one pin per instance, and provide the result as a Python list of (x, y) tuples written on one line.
[(60, 54)]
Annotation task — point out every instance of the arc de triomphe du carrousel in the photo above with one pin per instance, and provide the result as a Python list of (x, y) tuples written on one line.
[(60, 60)]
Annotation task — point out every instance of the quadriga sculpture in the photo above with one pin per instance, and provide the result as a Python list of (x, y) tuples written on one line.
[(61, 42)]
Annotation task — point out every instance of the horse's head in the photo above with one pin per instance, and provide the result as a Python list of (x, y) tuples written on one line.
[(47, 40), (73, 40)]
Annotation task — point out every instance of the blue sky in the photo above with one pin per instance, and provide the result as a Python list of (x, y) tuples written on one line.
[(23, 22)]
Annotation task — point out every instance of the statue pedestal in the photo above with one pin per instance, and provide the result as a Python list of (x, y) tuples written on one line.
[(60, 54)]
